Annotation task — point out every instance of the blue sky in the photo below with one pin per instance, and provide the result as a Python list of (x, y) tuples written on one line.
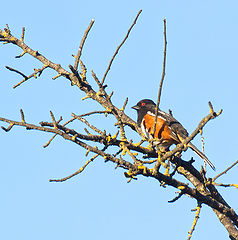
[(99, 204)]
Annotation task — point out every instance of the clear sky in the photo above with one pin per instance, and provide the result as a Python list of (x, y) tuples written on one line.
[(99, 204)]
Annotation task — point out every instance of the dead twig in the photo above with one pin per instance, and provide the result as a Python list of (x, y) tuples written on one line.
[(225, 185), (76, 173), (14, 70), (177, 197), (22, 116), (161, 81), (77, 57), (198, 210), (23, 34), (88, 124), (36, 71), (118, 48), (90, 113), (224, 172), (124, 105)]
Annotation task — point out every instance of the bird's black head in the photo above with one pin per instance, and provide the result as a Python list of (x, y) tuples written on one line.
[(144, 104)]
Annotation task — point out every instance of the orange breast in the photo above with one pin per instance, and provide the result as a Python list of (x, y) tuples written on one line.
[(162, 130)]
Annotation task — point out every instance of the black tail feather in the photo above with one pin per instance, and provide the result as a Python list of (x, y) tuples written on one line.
[(201, 155)]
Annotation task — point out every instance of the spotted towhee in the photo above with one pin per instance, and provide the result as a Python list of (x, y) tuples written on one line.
[(168, 130)]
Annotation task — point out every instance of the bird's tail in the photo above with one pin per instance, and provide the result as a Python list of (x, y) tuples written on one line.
[(201, 155)]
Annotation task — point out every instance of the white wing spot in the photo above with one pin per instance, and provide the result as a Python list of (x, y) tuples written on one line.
[(144, 130)]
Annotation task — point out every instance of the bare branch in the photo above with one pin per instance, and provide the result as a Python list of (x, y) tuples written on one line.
[(77, 57), (118, 48), (22, 116), (53, 119), (124, 105), (72, 135), (23, 34), (76, 173), (225, 185), (6, 36), (36, 71), (88, 124), (58, 75), (96, 79), (14, 70), (21, 55), (9, 127), (75, 72), (224, 172), (181, 193), (198, 209), (90, 113), (161, 81)]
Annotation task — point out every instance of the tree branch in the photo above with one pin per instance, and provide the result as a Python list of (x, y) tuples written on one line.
[(198, 209), (118, 48), (202, 189), (77, 57), (224, 172), (161, 81)]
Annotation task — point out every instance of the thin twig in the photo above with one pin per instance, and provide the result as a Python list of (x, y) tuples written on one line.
[(83, 70), (225, 185), (22, 116), (177, 197), (162, 79), (8, 29), (124, 105), (220, 174), (148, 162), (203, 144), (198, 209), (76, 173), (90, 113), (88, 124), (81, 45), (122, 130), (21, 55), (58, 75), (23, 34), (118, 48), (9, 127), (51, 139), (39, 71), (53, 119), (125, 148), (101, 88), (71, 120), (75, 72), (109, 97), (96, 79), (6, 36), (14, 70)]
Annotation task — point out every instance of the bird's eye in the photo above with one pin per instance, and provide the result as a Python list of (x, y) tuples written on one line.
[(143, 104)]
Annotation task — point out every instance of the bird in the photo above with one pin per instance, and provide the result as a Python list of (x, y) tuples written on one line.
[(168, 130)]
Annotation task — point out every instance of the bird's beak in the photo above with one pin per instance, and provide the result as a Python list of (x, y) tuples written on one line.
[(135, 107)]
